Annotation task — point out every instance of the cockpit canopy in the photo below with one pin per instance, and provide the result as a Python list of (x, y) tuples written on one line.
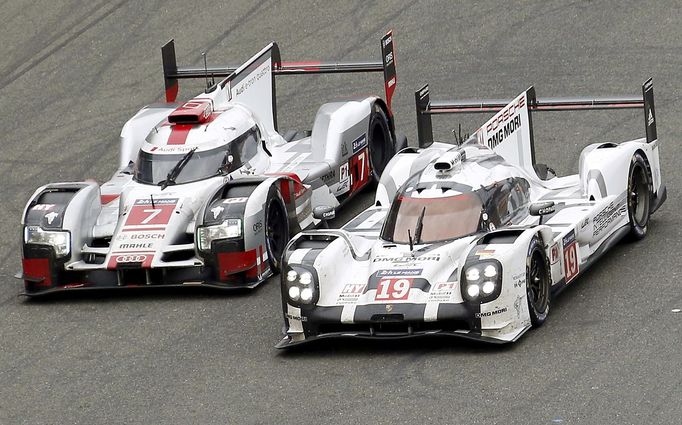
[(435, 214), (154, 165)]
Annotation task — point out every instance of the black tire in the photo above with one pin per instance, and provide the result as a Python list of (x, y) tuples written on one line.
[(538, 282), (638, 197), (276, 231), (380, 142)]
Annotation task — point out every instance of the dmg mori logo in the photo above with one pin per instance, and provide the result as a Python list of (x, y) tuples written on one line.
[(131, 258)]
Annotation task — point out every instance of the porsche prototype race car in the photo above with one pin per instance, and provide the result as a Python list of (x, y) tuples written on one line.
[(208, 191), (472, 240)]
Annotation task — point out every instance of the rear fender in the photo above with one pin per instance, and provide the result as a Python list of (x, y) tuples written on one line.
[(604, 167), (338, 128)]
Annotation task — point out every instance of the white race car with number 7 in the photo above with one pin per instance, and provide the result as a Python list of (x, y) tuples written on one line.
[(472, 240), (208, 191)]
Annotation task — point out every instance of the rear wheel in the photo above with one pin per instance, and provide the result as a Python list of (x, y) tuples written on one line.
[(537, 283), (638, 197), (380, 142), (276, 231)]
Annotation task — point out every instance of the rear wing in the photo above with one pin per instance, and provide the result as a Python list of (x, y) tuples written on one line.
[(172, 72), (426, 107)]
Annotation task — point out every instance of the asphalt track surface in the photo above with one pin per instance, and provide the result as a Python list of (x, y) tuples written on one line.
[(72, 72)]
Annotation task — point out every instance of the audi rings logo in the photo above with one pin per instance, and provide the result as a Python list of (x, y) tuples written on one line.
[(131, 258)]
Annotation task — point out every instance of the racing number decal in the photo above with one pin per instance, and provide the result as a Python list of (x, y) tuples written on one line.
[(393, 289), (143, 213), (571, 264), (359, 163)]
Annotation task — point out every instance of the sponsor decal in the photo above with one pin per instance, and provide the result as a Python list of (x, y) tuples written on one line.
[(171, 149), (517, 305), (136, 245), (504, 124), (485, 252), (130, 258), (142, 259), (399, 272), (410, 259), (359, 143), (442, 292), (490, 313), (554, 254), (294, 317), (389, 308), (258, 226), (519, 279), (217, 211), (235, 200), (350, 293), (650, 119), (144, 213), (571, 266), (344, 179), (607, 216), (51, 216), (344, 150), (138, 236), (249, 82), (43, 207), (393, 289)]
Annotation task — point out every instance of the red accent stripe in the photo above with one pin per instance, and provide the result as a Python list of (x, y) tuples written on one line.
[(37, 268), (172, 92), (105, 199), (235, 262), (307, 66), (179, 134)]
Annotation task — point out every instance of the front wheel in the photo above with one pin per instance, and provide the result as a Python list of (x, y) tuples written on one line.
[(638, 197), (276, 231), (538, 283)]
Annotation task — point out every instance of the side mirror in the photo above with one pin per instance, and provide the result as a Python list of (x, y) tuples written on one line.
[(324, 212), (542, 208)]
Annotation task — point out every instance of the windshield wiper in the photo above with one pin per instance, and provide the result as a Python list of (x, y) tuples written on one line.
[(177, 168), (419, 226)]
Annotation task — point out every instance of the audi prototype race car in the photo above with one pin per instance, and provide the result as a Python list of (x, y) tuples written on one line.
[(472, 240), (208, 191)]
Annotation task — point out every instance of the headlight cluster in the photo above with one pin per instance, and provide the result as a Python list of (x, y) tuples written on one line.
[(230, 228), (59, 240), (299, 285), (482, 282)]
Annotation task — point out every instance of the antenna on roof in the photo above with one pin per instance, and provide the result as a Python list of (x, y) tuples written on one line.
[(208, 85)]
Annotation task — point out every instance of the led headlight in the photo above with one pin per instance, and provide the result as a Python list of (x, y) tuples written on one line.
[(488, 287), (59, 240), (294, 293), (306, 295), (299, 285), (482, 281), (230, 228)]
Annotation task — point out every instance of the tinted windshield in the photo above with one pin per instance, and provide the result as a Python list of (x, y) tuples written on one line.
[(151, 168), (445, 218)]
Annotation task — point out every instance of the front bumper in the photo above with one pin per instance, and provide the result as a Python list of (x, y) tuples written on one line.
[(397, 321), (290, 341), (139, 278)]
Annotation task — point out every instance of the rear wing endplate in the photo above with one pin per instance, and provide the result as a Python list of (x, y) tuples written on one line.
[(425, 107), (172, 72)]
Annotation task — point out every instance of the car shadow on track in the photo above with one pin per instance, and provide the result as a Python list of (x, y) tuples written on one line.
[(363, 347), (131, 293)]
